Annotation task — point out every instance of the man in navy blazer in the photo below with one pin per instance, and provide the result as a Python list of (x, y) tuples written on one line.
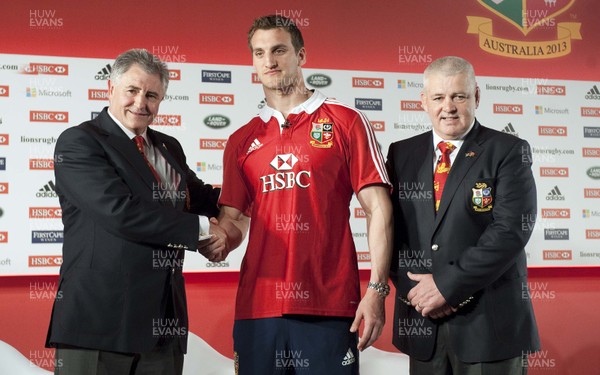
[(128, 219), (462, 301)]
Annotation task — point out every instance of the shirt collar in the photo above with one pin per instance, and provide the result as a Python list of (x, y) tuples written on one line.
[(128, 132), (456, 142), (309, 106)]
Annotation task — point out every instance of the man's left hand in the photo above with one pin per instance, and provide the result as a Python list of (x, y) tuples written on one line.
[(372, 310)]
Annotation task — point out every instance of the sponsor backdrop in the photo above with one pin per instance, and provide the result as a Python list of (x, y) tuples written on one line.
[(43, 95)]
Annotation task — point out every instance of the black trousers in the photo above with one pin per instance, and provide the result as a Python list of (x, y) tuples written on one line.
[(166, 359)]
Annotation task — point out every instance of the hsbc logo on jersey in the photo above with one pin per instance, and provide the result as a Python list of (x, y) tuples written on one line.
[(285, 177)]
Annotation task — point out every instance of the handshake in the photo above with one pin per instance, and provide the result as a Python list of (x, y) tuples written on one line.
[(214, 247)]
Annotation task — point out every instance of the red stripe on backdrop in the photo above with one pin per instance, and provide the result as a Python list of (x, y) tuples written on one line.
[(392, 36)]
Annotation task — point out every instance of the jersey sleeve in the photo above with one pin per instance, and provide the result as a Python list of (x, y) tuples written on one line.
[(366, 163), (234, 192)]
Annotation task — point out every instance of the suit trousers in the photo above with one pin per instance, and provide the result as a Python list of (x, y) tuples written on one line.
[(166, 359), (445, 361)]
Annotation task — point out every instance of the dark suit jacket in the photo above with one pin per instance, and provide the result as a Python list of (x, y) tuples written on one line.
[(473, 247), (121, 287)]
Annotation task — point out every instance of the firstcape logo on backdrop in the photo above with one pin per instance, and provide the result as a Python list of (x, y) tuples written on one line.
[(526, 16)]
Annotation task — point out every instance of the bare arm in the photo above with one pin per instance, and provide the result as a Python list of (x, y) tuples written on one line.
[(375, 200)]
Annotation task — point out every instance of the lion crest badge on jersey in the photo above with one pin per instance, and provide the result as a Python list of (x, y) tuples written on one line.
[(321, 135), (482, 197)]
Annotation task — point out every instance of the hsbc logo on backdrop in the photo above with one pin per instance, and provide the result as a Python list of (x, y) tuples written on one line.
[(363, 256), (255, 78), (360, 213), (174, 74), (45, 260), (4, 139), (167, 120), (213, 144), (3, 237), (590, 112), (41, 164), (50, 69), (551, 90), (372, 83), (591, 193), (48, 116), (224, 99), (554, 172), (557, 131), (558, 254), (589, 152), (4, 91), (3, 187), (96, 94), (45, 213), (592, 234), (508, 109), (411, 105), (378, 125), (556, 213)]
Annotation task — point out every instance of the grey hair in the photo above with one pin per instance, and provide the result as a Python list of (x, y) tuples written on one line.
[(145, 60), (450, 66)]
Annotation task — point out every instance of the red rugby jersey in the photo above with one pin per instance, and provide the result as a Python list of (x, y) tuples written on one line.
[(296, 182)]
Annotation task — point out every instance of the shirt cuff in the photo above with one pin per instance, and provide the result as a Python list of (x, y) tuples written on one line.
[(204, 226)]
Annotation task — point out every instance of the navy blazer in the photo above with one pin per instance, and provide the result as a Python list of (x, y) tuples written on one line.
[(473, 247), (121, 286)]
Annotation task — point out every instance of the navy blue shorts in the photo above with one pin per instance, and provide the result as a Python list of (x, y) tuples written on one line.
[(295, 344)]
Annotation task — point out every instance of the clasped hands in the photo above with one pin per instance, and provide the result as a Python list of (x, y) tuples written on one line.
[(215, 248), (426, 297)]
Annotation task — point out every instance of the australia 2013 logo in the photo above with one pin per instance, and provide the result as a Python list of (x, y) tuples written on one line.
[(526, 15)]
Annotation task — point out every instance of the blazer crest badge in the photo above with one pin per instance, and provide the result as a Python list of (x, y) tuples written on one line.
[(482, 197)]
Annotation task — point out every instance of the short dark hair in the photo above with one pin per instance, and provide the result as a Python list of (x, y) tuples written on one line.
[(277, 22), (147, 61)]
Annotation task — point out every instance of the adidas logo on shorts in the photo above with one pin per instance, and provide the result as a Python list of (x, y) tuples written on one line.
[(349, 358)]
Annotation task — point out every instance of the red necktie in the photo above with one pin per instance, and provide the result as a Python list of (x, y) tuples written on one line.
[(139, 141), (442, 169)]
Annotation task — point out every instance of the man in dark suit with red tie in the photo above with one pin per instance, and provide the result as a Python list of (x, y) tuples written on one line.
[(131, 208), (464, 198)]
